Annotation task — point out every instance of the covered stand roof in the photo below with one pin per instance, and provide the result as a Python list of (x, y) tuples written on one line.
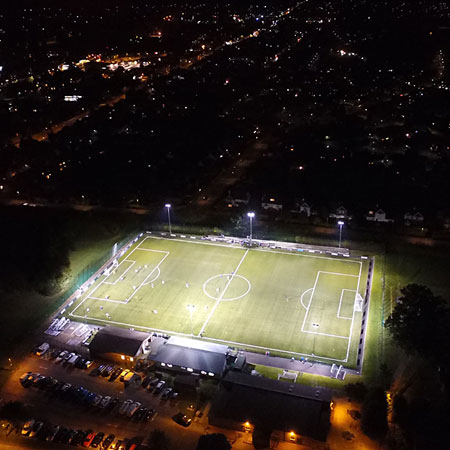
[(118, 340)]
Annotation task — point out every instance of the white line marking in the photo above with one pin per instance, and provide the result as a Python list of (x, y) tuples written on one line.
[(151, 250), (310, 301), (107, 300), (326, 334), (222, 294), (340, 274), (338, 315), (301, 298), (353, 317)]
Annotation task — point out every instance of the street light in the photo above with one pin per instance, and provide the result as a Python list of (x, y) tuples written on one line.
[(340, 223), (168, 206), (250, 216)]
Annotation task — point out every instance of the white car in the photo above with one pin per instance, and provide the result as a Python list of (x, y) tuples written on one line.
[(61, 356), (133, 408), (42, 349), (125, 405), (97, 400), (105, 402)]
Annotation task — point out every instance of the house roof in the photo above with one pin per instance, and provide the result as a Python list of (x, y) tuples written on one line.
[(191, 357), (198, 344), (270, 408), (118, 340)]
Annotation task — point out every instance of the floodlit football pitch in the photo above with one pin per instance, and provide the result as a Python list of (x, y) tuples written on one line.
[(288, 303)]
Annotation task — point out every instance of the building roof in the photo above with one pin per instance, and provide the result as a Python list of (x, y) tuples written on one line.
[(272, 409), (118, 340), (198, 344), (282, 387), (191, 357)]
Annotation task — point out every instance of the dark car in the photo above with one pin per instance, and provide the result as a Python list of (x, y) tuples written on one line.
[(146, 381), (79, 438), (151, 414), (113, 403), (140, 414), (181, 419), (95, 372), (115, 374), (97, 440), (59, 436), (107, 442)]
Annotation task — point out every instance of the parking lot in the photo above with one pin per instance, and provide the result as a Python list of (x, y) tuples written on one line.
[(72, 414)]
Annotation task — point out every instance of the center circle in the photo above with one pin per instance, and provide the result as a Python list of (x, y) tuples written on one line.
[(213, 287)]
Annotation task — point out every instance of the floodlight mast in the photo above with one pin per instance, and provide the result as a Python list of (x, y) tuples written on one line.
[(250, 216), (340, 223), (168, 206)]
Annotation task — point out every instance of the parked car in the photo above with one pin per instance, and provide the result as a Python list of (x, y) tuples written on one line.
[(27, 427), (97, 400), (67, 358), (150, 415), (42, 349), (38, 381), (140, 413), (90, 435), (146, 381), (159, 387), (79, 438), (131, 410), (107, 371), (125, 405), (36, 428), (173, 395), (105, 401), (106, 444), (115, 374), (97, 440), (72, 361), (52, 433), (166, 393), (152, 384), (113, 403), (26, 379), (124, 374), (181, 419), (61, 356)]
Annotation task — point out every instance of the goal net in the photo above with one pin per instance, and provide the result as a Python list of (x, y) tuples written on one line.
[(358, 302)]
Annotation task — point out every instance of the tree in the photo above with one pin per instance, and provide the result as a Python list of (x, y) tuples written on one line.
[(158, 440), (374, 413), (215, 441), (420, 322)]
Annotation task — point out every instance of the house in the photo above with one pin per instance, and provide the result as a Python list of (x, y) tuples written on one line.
[(340, 213), (378, 216), (302, 208), (271, 204), (237, 199), (413, 218), (191, 356), (290, 412), (119, 344)]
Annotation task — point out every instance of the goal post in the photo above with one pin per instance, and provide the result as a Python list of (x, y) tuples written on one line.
[(358, 302)]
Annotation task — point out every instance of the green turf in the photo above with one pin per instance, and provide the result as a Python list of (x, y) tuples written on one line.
[(259, 299)]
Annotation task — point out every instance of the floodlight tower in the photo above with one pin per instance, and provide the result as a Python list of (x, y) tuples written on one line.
[(168, 206), (250, 216), (340, 223)]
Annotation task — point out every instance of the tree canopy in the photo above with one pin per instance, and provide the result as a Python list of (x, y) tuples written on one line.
[(420, 323), (214, 441)]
